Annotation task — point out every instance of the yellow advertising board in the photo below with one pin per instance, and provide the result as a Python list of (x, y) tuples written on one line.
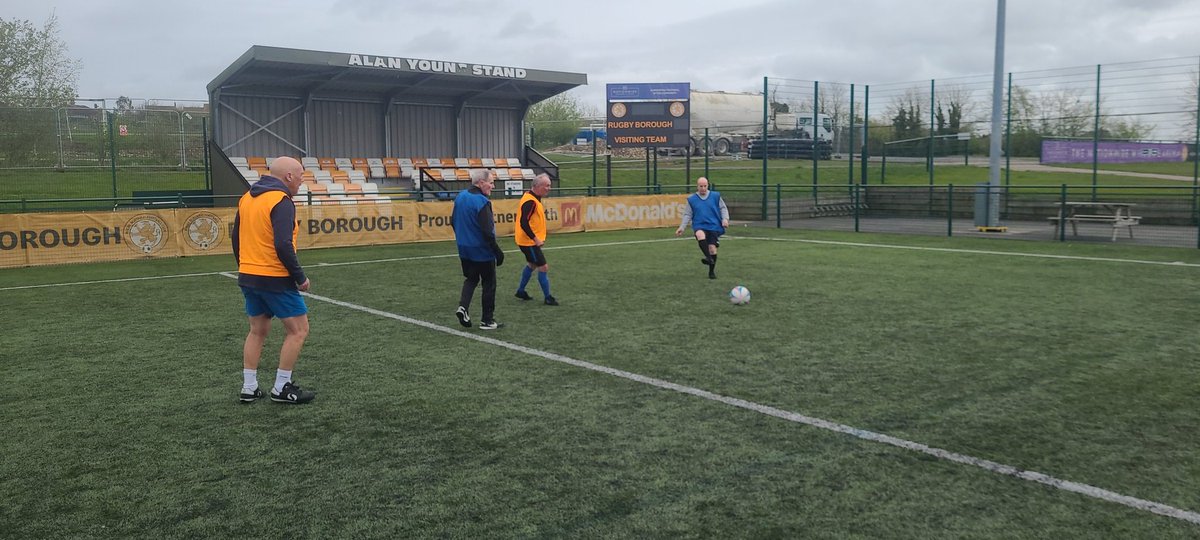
[(61, 238), (632, 212), (356, 224)]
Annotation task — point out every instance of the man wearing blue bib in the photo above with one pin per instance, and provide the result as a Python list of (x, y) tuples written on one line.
[(709, 216), (475, 235)]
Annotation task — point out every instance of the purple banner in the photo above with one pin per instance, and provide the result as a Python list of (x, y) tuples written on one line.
[(1111, 152)]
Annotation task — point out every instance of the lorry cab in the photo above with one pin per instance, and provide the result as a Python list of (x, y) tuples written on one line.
[(804, 124)]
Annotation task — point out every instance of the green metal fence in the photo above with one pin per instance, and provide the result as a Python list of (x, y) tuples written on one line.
[(82, 152)]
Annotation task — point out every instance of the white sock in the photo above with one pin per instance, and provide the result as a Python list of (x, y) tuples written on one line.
[(249, 380), (281, 378)]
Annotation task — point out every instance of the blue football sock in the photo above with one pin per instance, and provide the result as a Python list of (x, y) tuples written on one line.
[(525, 275), (544, 281)]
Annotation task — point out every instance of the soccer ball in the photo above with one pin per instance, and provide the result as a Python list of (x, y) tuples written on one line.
[(739, 295)]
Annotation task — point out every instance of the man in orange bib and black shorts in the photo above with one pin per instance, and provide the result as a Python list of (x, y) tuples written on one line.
[(530, 235)]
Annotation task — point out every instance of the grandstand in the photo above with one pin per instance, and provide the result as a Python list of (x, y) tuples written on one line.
[(356, 180), (362, 125)]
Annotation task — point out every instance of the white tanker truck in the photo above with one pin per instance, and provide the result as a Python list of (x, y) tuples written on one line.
[(735, 119)]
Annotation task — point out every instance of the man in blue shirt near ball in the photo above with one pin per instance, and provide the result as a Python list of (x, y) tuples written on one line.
[(709, 216)]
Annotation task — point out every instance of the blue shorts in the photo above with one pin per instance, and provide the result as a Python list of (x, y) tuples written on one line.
[(283, 304), (712, 237)]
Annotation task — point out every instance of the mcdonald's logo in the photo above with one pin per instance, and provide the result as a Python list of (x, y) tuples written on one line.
[(572, 214)]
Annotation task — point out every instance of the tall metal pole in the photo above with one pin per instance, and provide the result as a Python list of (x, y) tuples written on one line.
[(993, 217), (1008, 149), (182, 144), (866, 139), (815, 146), (112, 158), (1096, 136), (763, 141), (850, 153), (932, 126)]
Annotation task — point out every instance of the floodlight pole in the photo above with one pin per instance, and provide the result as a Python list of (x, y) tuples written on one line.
[(993, 217)]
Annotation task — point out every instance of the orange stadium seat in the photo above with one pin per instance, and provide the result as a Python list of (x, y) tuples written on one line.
[(474, 162), (391, 167), (340, 175), (515, 174), (257, 162)]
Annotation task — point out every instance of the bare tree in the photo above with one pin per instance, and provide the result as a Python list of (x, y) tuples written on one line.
[(959, 102), (1191, 107), (834, 101), (34, 68), (1064, 112)]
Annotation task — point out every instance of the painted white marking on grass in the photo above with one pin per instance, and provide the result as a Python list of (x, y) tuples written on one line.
[(971, 251), (1007, 470), (117, 280), (606, 244), (320, 264)]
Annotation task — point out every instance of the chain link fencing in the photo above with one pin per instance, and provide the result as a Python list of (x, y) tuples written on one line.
[(88, 157)]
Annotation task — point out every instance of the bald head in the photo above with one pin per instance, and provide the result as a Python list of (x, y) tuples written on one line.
[(289, 171), (283, 165), (702, 186)]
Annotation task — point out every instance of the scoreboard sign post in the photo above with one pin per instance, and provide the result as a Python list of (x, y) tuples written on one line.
[(649, 114)]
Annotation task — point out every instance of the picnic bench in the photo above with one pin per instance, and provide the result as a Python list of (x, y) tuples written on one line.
[(1116, 214)]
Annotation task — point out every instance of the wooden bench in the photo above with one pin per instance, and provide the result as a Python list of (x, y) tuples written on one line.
[(1116, 221)]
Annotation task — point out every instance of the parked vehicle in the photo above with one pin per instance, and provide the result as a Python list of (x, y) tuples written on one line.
[(585, 135), (735, 120)]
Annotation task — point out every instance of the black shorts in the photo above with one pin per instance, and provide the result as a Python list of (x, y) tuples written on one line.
[(712, 238), (534, 255)]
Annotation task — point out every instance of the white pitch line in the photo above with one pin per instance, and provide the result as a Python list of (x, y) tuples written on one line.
[(117, 280), (1000, 468), (969, 251), (313, 265), (604, 244)]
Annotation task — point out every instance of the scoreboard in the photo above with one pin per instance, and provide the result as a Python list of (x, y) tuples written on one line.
[(649, 115)]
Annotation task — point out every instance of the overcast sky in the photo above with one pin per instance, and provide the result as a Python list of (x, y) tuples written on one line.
[(168, 50)]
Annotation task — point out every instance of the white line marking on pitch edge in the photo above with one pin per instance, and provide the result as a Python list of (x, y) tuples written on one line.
[(969, 251), (315, 265), (604, 244), (1007, 470)]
